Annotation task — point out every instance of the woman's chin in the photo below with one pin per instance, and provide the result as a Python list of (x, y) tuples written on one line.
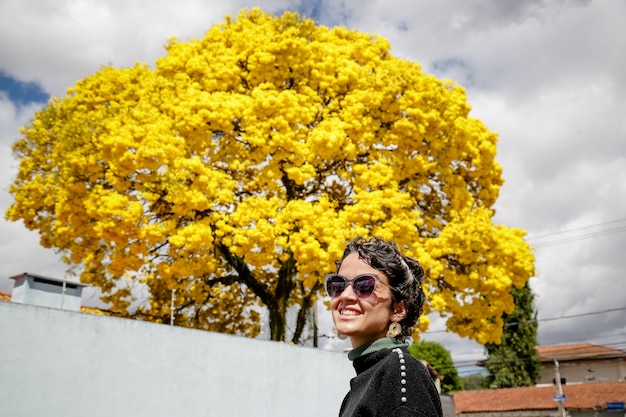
[(346, 329)]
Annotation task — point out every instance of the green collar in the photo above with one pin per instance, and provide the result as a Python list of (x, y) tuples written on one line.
[(375, 346)]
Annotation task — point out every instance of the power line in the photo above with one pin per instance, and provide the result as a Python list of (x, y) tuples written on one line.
[(591, 313), (576, 229), (471, 363), (562, 240), (581, 237)]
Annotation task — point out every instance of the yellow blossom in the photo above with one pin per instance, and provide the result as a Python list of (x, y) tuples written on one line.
[(228, 176)]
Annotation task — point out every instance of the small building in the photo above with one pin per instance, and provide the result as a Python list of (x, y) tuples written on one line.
[(45, 291), (581, 400), (581, 363)]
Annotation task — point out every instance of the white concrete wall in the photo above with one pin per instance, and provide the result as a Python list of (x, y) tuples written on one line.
[(585, 370), (66, 364)]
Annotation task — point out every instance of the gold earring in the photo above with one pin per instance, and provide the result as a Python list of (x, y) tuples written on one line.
[(394, 330)]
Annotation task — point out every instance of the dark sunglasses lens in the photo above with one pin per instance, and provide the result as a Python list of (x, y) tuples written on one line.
[(364, 285), (335, 285)]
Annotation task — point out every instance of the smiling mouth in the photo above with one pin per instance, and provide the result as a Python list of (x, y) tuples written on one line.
[(348, 312)]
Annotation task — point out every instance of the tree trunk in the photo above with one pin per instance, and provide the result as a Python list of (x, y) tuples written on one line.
[(278, 323), (307, 304)]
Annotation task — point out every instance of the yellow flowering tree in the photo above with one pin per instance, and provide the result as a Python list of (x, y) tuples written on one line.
[(226, 180)]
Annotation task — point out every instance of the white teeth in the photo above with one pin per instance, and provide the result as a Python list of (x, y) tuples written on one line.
[(345, 312)]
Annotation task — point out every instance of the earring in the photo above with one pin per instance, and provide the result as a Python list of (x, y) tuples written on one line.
[(394, 330)]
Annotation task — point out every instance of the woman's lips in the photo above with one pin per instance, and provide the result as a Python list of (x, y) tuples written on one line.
[(349, 312)]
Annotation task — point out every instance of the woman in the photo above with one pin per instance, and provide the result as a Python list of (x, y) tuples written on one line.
[(376, 299)]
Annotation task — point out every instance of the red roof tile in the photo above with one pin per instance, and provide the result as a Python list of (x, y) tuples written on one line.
[(581, 396), (576, 351)]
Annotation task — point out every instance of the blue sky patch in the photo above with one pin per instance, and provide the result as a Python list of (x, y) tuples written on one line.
[(455, 69), (311, 9), (325, 12), (21, 93)]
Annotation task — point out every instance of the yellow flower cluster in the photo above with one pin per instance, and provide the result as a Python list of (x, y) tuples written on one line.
[(242, 163), (480, 262)]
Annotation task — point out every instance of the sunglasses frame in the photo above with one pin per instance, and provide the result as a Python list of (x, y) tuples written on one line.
[(351, 282)]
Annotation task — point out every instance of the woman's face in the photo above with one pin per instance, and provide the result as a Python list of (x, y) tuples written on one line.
[(363, 320)]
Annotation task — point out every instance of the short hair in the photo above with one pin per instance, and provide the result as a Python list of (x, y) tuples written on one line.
[(405, 276)]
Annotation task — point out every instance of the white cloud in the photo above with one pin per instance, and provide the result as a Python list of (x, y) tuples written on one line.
[(554, 91), (548, 76), (19, 248), (58, 43)]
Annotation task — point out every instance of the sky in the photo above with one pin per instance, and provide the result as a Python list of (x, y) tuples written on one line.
[(548, 76)]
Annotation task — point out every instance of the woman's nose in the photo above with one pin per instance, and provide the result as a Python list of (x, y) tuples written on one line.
[(348, 293)]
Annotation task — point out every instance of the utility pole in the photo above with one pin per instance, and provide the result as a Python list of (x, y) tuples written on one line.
[(172, 309), (559, 390), (315, 335)]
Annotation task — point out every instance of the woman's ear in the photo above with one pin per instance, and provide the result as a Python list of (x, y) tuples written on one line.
[(399, 311)]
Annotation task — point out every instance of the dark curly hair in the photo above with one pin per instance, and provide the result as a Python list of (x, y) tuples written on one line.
[(405, 276)]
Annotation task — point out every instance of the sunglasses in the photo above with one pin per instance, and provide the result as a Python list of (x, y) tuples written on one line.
[(363, 285)]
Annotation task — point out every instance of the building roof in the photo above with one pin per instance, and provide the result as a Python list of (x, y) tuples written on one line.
[(5, 297), (45, 278), (573, 351), (582, 396), (577, 351)]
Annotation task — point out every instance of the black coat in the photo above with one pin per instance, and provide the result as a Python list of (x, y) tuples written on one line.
[(391, 383)]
